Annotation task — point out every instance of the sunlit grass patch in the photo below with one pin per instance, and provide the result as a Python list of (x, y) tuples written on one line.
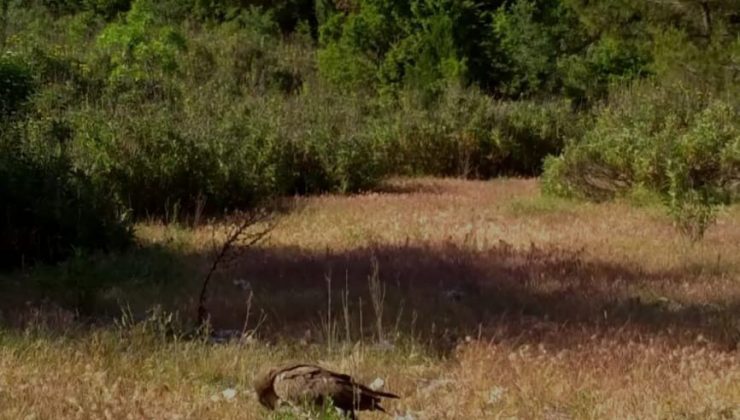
[(106, 373), (543, 205)]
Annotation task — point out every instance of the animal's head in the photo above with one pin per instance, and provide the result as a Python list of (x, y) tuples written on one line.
[(263, 386)]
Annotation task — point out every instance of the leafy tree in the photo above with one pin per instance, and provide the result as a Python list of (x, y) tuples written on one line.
[(140, 51), (417, 44)]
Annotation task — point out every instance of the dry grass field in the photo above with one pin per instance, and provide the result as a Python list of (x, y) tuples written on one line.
[(471, 300)]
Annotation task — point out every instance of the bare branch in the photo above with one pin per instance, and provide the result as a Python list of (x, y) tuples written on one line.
[(239, 235)]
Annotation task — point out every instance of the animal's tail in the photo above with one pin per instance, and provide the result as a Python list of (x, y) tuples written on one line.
[(377, 395), (381, 394)]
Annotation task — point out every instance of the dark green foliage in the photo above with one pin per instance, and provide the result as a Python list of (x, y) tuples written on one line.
[(510, 48), (16, 85), (139, 56), (468, 134), (49, 210), (107, 8), (607, 63), (398, 44), (527, 35)]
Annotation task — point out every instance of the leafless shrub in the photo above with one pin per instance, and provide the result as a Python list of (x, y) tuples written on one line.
[(249, 228)]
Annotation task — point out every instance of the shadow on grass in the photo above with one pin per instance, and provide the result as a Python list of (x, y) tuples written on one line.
[(444, 294), (88, 288), (437, 294)]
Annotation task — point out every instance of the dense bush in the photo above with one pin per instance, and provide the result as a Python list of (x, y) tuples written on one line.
[(16, 85), (682, 143), (514, 49), (469, 134), (48, 207), (248, 150), (49, 210), (140, 54), (234, 121), (386, 45)]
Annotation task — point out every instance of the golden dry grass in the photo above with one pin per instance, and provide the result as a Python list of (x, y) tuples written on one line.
[(498, 303)]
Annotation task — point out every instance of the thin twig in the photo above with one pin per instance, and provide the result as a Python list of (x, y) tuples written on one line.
[(235, 236)]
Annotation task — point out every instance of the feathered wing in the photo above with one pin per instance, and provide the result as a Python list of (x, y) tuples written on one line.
[(313, 384), (350, 395), (372, 398)]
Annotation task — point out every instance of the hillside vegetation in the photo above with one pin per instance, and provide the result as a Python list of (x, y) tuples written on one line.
[(117, 110)]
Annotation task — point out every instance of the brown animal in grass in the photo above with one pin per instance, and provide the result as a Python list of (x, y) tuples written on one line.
[(314, 385)]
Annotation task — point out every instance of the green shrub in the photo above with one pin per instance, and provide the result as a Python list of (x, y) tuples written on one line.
[(16, 85), (150, 163), (329, 144), (607, 63), (704, 167), (449, 137), (681, 143), (346, 68), (707, 155), (390, 46), (693, 212), (466, 133), (49, 209), (227, 151), (526, 132), (140, 56), (628, 144), (255, 68)]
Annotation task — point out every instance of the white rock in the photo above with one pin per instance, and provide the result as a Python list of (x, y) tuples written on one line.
[(229, 394), (377, 384)]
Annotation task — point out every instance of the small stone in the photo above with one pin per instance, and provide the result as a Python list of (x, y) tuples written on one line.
[(229, 394), (377, 384)]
